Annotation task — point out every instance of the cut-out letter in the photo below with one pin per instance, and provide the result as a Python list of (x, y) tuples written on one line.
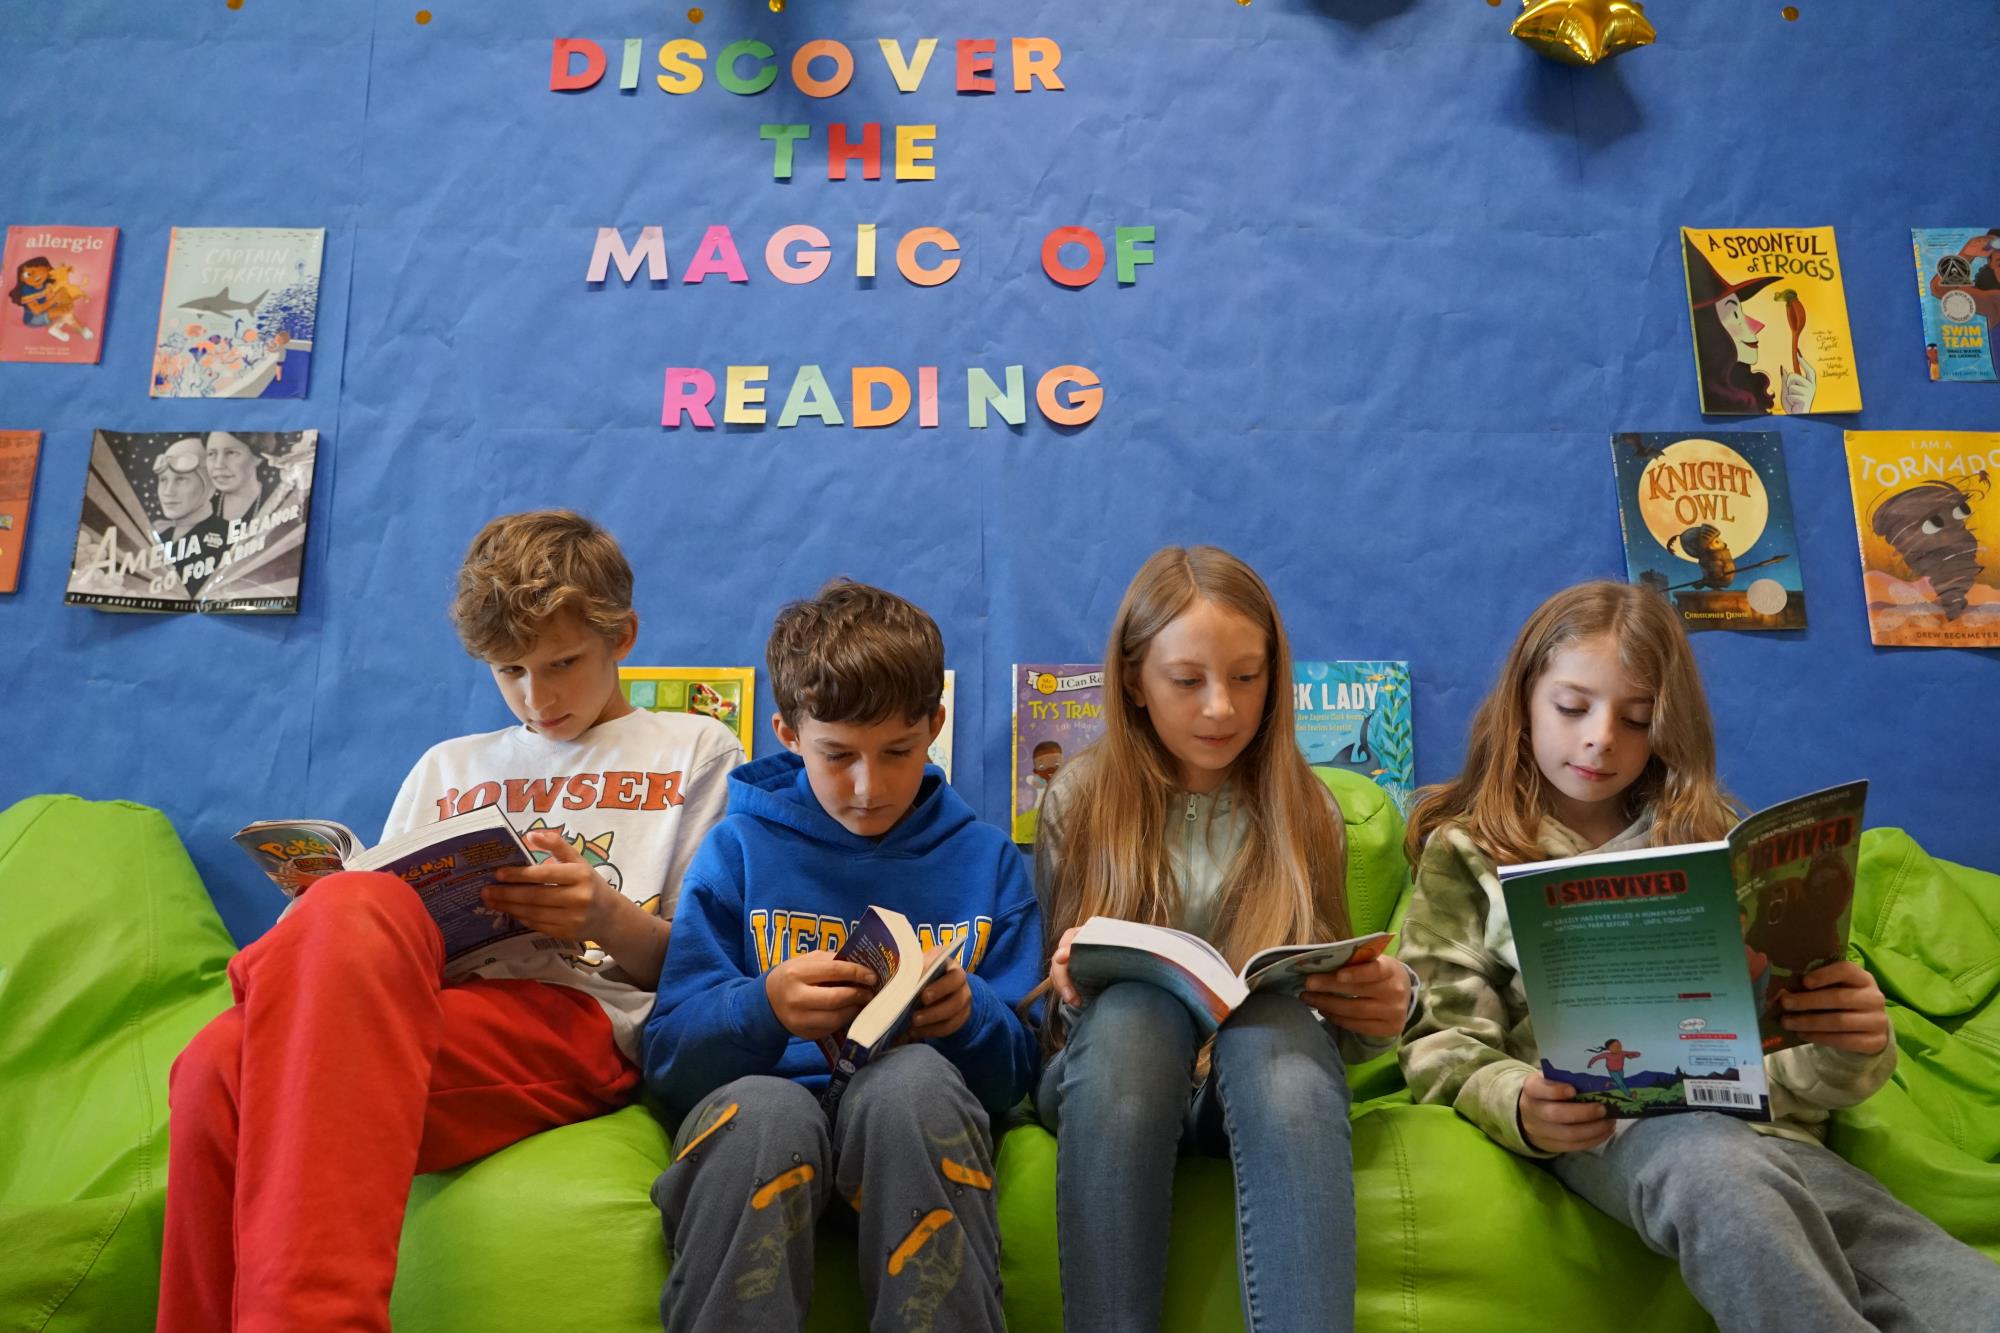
[(743, 395), (716, 254), (809, 266), (868, 152), (678, 58), (906, 256), (690, 390), (1073, 409), (783, 137), (865, 380), (908, 74), (1052, 261), (610, 249), (725, 68), (843, 68), (975, 64), (982, 393), (1035, 61), (564, 77), (811, 396), (913, 152), (1126, 241)]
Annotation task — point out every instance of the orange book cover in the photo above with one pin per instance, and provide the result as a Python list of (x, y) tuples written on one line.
[(18, 451), (1928, 522)]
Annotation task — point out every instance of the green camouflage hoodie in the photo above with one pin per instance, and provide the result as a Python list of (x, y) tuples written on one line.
[(1472, 1045)]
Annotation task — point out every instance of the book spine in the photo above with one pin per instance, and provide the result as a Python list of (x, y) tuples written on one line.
[(846, 1063)]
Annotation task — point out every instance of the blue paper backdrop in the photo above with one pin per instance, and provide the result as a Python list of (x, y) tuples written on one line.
[(1409, 278)]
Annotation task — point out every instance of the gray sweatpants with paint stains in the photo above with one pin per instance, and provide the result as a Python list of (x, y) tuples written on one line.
[(756, 1162)]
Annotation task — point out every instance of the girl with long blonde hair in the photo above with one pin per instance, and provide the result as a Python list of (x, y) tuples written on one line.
[(1597, 737), (1196, 810)]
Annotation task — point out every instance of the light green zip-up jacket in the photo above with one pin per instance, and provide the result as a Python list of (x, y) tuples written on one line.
[(1472, 1045), (1202, 840)]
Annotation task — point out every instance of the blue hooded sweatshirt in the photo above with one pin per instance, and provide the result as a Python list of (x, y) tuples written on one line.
[(780, 876)]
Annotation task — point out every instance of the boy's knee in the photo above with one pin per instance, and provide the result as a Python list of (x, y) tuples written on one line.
[(206, 1066), (751, 1114), (365, 904), (910, 1090)]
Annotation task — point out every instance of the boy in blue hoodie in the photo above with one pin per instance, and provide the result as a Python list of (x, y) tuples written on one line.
[(848, 816)]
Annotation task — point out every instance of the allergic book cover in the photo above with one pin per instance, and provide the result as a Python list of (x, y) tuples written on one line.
[(58, 284)]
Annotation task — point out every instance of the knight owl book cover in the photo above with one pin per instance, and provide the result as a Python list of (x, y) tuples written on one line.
[(58, 282), (1768, 310), (1058, 709), (239, 312), (1958, 289), (1356, 716), (1655, 977), (1707, 521), (1928, 523), (18, 451), (727, 694), (178, 521)]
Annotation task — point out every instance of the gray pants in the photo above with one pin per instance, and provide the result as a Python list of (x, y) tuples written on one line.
[(756, 1163), (1774, 1235)]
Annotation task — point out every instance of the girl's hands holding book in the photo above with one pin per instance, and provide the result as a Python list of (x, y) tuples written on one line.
[(816, 994), (1841, 1006), (1059, 981), (1371, 999), (943, 1006), (1553, 1120)]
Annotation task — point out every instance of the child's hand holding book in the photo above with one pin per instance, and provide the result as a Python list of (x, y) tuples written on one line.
[(561, 897), (943, 1006), (1553, 1120), (1842, 1007), (1369, 998), (818, 994)]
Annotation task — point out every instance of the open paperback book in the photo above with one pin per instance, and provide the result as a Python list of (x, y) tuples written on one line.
[(886, 943), (447, 863), (1107, 949), (1655, 975)]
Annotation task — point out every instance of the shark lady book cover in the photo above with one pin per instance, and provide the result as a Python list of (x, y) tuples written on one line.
[(239, 312)]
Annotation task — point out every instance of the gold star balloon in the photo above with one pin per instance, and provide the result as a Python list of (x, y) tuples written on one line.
[(1582, 32)]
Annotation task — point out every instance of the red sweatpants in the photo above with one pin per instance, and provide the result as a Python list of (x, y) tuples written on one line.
[(345, 1068)]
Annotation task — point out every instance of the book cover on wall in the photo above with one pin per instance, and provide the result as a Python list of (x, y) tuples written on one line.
[(1356, 716), (1958, 286), (727, 694), (18, 452), (1058, 709), (58, 289), (1708, 525), (1768, 309), (178, 521), (1655, 975), (1929, 527), (940, 751), (239, 312)]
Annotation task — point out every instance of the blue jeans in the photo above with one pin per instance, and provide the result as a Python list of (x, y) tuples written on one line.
[(1275, 1102), (1772, 1234)]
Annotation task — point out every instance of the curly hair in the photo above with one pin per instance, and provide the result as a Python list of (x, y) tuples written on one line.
[(523, 568)]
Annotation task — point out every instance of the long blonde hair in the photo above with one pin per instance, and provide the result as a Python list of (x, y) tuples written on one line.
[(1501, 795), (1286, 883)]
